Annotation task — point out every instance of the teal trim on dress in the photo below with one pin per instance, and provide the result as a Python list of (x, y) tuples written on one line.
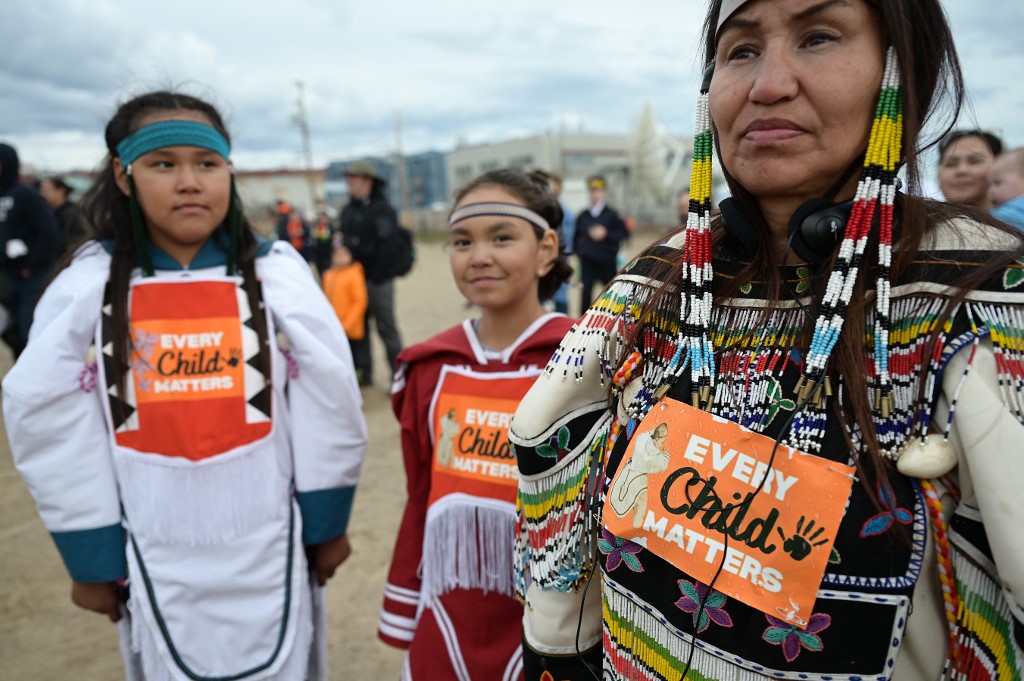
[(325, 513), (95, 555), (214, 253)]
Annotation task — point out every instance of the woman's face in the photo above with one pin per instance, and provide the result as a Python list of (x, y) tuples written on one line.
[(963, 174), (793, 96), (54, 196)]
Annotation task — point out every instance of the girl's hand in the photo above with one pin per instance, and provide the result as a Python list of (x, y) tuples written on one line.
[(328, 556), (100, 597)]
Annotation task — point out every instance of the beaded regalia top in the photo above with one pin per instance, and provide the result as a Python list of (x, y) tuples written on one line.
[(873, 577), (750, 359)]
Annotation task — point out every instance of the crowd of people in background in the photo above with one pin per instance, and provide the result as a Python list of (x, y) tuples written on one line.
[(974, 170)]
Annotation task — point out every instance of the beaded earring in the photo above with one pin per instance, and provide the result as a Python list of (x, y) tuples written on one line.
[(694, 347), (876, 189)]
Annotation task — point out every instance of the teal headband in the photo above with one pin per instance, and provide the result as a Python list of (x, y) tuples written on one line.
[(172, 133)]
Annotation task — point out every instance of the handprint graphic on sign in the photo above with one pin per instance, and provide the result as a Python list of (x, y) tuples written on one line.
[(800, 545)]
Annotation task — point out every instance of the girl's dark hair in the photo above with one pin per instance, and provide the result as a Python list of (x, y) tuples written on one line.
[(932, 84), (994, 144), (535, 193), (105, 210)]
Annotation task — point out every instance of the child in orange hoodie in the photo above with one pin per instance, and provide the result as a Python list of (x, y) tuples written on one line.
[(345, 286)]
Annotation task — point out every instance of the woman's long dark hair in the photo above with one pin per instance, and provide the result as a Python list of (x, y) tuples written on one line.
[(105, 210), (535, 192), (933, 85)]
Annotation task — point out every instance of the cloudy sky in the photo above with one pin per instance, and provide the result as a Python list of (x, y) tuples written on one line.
[(455, 70)]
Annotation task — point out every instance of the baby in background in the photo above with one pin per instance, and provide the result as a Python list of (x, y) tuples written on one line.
[(1006, 187)]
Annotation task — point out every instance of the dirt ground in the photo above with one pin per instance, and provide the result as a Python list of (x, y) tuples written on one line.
[(43, 637)]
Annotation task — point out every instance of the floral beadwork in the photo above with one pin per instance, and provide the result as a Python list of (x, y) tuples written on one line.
[(1014, 275), (776, 401), (547, 676), (880, 523), (792, 639), (705, 605), (803, 279), (619, 551), (557, 447), (87, 378), (293, 365)]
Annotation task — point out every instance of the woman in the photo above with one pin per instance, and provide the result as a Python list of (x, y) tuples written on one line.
[(865, 340), (965, 158)]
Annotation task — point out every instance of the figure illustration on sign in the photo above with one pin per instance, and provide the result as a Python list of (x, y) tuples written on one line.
[(629, 492), (446, 438)]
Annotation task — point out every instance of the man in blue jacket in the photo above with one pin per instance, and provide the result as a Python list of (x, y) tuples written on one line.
[(599, 233)]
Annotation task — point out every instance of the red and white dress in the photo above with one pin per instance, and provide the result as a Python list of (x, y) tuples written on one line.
[(449, 594)]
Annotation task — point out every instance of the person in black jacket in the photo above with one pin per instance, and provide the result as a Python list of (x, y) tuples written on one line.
[(29, 243), (367, 222), (57, 193), (599, 233)]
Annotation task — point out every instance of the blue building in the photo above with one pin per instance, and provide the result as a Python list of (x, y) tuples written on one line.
[(426, 180), (427, 177)]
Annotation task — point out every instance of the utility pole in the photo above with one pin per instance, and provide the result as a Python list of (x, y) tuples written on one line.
[(403, 184), (299, 119)]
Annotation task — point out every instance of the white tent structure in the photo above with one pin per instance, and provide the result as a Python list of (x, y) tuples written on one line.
[(658, 164)]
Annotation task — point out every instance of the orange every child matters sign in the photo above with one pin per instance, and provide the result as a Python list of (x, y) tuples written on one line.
[(471, 415), (702, 492), (189, 369)]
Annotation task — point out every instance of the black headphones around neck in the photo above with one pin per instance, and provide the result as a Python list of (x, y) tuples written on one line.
[(814, 229)]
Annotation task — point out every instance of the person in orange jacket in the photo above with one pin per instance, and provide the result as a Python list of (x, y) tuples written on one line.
[(345, 286)]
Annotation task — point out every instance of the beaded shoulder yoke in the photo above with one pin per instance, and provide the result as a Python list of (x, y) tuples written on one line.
[(994, 310), (741, 332), (559, 524)]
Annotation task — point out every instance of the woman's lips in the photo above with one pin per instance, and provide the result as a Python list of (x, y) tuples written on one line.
[(772, 130)]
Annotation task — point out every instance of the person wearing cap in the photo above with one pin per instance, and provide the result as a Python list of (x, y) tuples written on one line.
[(29, 239), (840, 368), (57, 193), (599, 233), (366, 222)]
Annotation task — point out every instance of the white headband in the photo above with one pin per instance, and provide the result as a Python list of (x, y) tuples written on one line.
[(727, 9), (513, 210)]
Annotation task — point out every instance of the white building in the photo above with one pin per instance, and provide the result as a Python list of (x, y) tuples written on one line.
[(260, 190), (573, 155)]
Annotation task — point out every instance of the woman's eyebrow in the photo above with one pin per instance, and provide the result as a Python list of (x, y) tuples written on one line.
[(739, 22)]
